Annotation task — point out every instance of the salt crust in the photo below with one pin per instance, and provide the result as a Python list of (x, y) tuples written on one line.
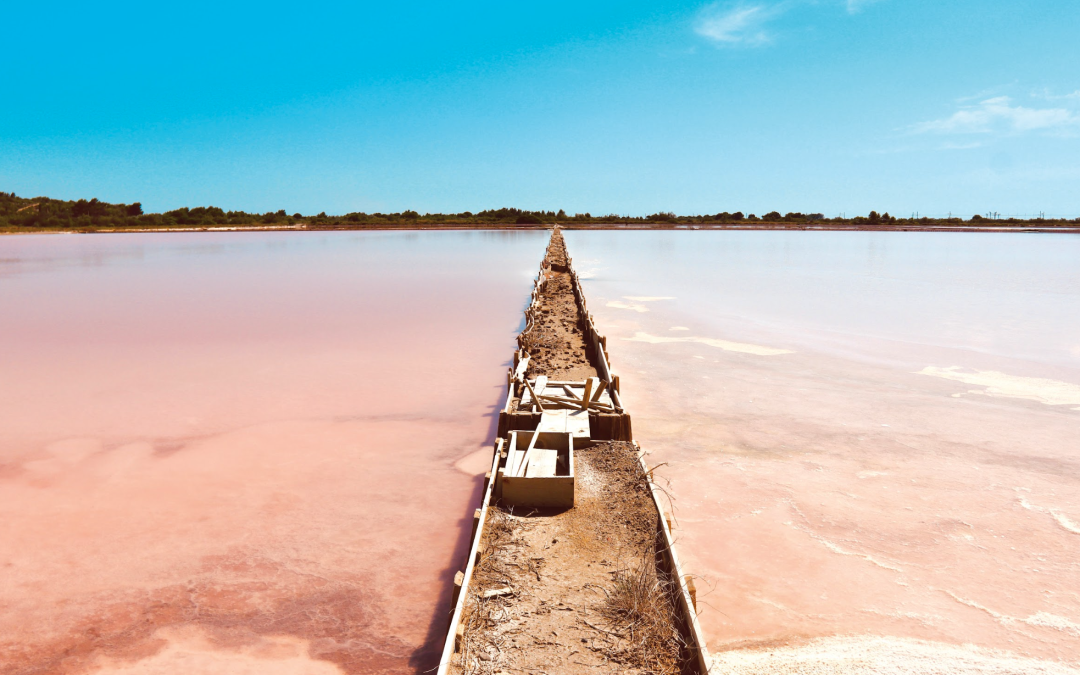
[(1050, 392), (619, 304), (1062, 519), (188, 650), (742, 347), (634, 306), (882, 656)]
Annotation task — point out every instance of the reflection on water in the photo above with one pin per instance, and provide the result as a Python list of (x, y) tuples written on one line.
[(236, 452), (898, 492)]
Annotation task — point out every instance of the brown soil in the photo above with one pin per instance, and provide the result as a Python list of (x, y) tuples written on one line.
[(567, 609), (556, 343), (555, 256)]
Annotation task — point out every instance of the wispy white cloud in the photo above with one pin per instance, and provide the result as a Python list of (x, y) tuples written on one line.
[(737, 24), (1047, 95), (746, 23), (998, 115)]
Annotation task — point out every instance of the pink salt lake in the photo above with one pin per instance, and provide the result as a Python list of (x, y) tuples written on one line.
[(245, 453), (872, 439)]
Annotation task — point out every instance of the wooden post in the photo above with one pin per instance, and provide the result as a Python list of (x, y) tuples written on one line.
[(459, 578), (587, 396)]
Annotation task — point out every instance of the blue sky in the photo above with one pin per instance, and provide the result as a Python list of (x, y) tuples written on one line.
[(837, 106)]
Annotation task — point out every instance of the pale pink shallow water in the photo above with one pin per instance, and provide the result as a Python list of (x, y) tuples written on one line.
[(847, 509), (233, 453)]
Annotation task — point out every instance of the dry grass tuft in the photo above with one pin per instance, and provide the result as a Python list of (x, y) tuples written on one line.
[(640, 610)]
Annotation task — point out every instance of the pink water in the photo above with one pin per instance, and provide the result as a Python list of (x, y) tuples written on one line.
[(900, 492), (244, 453)]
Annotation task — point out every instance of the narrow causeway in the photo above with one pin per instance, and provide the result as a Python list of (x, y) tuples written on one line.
[(572, 567)]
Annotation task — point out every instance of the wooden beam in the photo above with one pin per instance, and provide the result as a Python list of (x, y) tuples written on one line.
[(525, 460), (541, 384), (576, 403), (535, 398), (459, 578)]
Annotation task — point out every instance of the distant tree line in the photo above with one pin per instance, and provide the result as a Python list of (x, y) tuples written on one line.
[(20, 214)]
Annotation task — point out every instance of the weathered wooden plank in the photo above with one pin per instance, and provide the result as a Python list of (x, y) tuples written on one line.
[(456, 629), (542, 463), (556, 492), (519, 470), (552, 421), (534, 398), (541, 384)]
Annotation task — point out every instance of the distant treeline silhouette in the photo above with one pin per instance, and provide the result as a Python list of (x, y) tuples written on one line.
[(42, 213)]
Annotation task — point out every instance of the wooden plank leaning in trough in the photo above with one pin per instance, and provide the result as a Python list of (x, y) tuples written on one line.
[(542, 421)]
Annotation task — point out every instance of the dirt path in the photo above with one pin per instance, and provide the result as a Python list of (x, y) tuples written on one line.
[(556, 343), (567, 605), (577, 590)]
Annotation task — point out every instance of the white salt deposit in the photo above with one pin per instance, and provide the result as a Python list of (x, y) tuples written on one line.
[(1050, 392), (882, 656), (712, 342), (619, 304)]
